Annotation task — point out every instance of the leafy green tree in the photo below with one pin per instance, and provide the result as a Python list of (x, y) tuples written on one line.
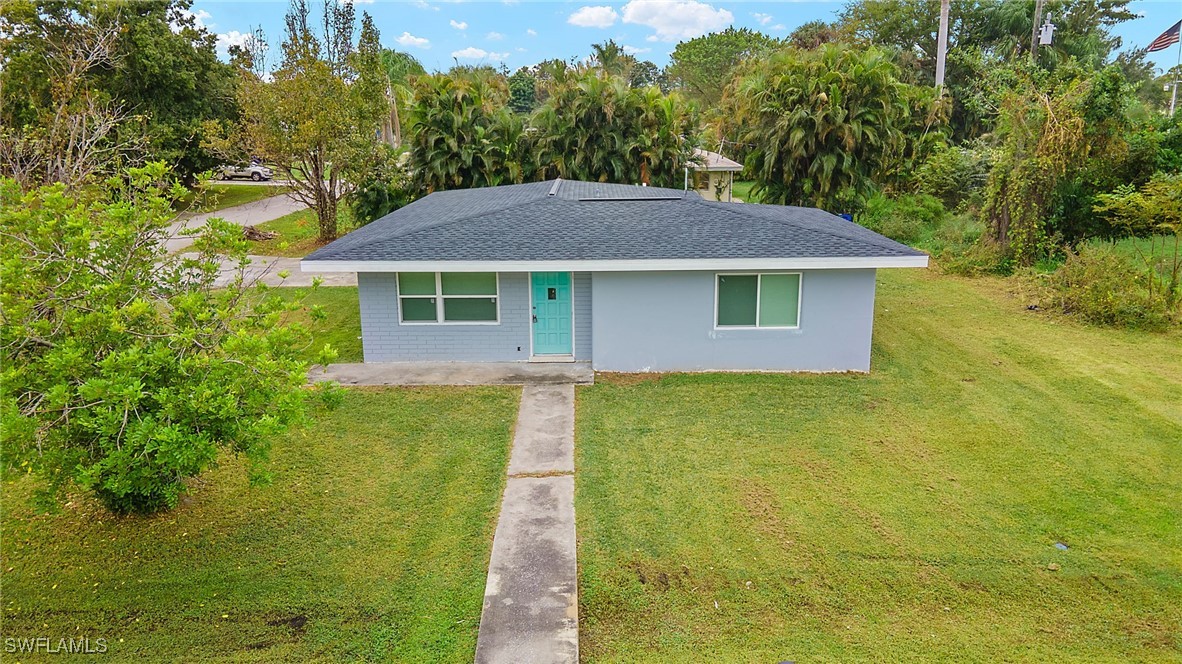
[(145, 62), (127, 370), (823, 125), (644, 73), (318, 119), (610, 58), (465, 135), (983, 39), (523, 95), (702, 67), (812, 34), (595, 126)]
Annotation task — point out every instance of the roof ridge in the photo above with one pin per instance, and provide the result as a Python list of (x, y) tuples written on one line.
[(469, 217), (396, 231), (880, 245)]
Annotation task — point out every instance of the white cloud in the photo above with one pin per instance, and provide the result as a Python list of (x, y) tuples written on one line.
[(779, 27), (458, 25), (520, 50), (633, 50), (674, 20), (408, 39), (473, 53), (531, 32), (361, 2), (232, 38), (763, 19), (423, 4), (593, 17), (494, 36)]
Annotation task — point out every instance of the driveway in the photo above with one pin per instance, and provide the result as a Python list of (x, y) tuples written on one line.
[(268, 269)]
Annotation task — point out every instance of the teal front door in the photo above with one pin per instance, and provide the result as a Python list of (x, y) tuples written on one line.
[(552, 313)]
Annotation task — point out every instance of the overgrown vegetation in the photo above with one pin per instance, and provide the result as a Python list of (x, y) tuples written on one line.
[(125, 370)]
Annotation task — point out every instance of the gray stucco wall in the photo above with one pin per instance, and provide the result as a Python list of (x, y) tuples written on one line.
[(385, 340), (664, 321)]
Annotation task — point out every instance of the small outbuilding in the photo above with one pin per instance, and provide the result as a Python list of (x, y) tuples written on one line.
[(625, 277), (714, 175)]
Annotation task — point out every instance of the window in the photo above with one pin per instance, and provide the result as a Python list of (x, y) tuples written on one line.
[(758, 300), (448, 297)]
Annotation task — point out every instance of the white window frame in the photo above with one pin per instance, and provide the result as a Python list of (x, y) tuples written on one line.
[(758, 300), (439, 297)]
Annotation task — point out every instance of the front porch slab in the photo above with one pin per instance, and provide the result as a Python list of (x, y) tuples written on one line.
[(454, 373)]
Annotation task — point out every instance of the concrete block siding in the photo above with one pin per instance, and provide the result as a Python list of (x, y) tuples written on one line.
[(386, 340), (664, 321), (641, 321)]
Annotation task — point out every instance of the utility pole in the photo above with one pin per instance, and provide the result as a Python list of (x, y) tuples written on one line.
[(942, 44), (1177, 70), (1034, 30)]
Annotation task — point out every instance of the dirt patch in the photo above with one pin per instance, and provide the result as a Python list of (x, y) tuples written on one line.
[(763, 507), (655, 578), (295, 623), (1152, 633)]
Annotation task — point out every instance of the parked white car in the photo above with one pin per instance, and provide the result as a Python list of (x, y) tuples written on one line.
[(254, 172)]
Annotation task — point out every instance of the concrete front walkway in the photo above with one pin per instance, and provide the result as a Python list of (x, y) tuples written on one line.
[(531, 601), (454, 373)]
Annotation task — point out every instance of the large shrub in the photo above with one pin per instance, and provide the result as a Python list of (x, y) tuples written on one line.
[(907, 218), (953, 174), (127, 370), (1103, 286)]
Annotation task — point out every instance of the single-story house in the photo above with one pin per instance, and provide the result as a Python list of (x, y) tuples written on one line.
[(714, 175), (625, 277)]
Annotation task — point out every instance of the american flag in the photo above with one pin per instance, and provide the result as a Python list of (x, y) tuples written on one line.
[(1166, 40)]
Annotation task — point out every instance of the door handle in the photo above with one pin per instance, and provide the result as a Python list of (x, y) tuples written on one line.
[(535, 318)]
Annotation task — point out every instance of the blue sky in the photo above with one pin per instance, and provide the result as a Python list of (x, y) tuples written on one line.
[(523, 32)]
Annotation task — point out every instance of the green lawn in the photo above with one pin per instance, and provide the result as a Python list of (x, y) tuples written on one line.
[(910, 514), (297, 234), (742, 190), (1157, 250), (372, 543), (342, 326), (222, 196)]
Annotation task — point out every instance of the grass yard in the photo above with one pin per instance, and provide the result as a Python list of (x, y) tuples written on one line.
[(372, 543), (222, 196), (341, 328), (910, 514), (742, 190), (297, 234)]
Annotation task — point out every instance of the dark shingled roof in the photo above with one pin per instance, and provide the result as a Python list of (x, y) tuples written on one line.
[(570, 220)]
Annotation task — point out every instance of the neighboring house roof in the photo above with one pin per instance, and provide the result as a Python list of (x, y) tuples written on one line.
[(712, 161), (567, 224)]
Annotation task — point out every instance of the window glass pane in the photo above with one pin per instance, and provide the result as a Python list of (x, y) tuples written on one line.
[(778, 297), (418, 309), (416, 283), (469, 309), (469, 283), (736, 299)]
